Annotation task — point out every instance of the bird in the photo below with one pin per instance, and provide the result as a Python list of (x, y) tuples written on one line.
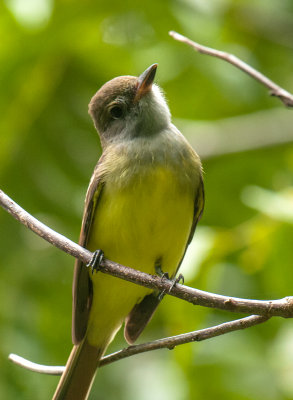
[(142, 206)]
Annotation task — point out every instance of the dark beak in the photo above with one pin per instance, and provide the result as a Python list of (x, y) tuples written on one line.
[(145, 81)]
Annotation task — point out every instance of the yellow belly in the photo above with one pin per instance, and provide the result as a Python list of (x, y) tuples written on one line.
[(150, 219)]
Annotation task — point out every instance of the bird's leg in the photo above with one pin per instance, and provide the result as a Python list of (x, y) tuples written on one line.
[(161, 274), (165, 275), (96, 260), (175, 280)]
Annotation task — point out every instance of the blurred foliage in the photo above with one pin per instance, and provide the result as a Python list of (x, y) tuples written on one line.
[(53, 56)]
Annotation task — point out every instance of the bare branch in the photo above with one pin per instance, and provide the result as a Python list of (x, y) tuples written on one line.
[(42, 230), (281, 308), (195, 336), (275, 90), (34, 367), (166, 343)]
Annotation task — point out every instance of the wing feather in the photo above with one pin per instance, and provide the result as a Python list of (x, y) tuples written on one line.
[(82, 286)]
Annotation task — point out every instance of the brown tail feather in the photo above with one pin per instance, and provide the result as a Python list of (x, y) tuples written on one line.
[(77, 379)]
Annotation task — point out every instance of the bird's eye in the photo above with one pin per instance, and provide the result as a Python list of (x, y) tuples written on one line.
[(116, 112)]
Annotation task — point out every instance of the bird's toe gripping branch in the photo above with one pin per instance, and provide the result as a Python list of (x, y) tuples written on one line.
[(165, 275), (96, 260)]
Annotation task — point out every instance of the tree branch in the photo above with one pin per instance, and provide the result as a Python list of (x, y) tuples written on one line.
[(166, 343), (282, 307), (275, 90)]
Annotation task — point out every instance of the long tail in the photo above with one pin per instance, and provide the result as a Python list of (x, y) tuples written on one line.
[(80, 370)]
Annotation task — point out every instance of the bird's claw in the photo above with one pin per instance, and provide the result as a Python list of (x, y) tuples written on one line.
[(165, 275), (179, 278), (96, 260)]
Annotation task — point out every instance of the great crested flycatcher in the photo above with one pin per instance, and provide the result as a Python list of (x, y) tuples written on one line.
[(142, 206)]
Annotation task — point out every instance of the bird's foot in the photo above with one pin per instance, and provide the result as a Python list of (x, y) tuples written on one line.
[(96, 260), (160, 272), (162, 275), (180, 278), (174, 282), (165, 275)]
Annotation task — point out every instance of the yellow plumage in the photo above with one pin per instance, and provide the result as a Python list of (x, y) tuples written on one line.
[(136, 225)]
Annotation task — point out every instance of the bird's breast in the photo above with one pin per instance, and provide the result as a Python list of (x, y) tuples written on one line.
[(145, 216)]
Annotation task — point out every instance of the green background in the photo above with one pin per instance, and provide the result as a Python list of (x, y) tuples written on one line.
[(53, 57)]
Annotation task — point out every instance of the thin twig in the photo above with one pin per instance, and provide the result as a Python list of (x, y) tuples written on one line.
[(275, 90), (166, 343), (282, 307), (42, 230), (34, 367)]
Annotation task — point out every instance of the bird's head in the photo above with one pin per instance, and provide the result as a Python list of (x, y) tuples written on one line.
[(128, 107)]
